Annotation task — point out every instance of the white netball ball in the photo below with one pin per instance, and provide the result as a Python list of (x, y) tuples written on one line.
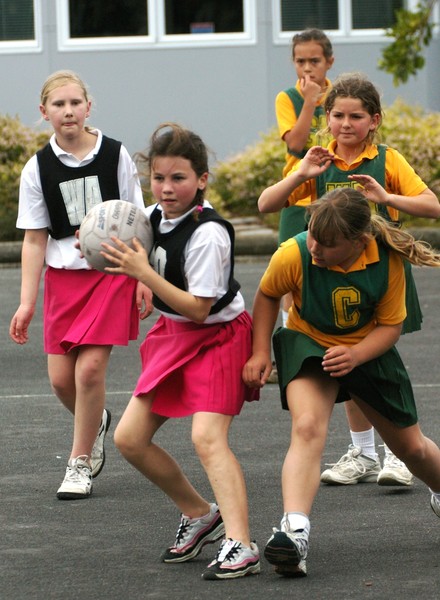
[(112, 218)]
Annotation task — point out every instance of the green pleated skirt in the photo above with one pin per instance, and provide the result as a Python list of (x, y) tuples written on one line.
[(383, 383)]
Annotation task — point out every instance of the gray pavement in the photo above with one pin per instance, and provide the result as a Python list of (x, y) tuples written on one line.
[(366, 541)]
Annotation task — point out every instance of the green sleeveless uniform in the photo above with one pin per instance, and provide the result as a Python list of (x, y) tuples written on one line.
[(338, 303), (334, 178), (292, 218)]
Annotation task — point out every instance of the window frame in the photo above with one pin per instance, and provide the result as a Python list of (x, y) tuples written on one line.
[(157, 37), (27, 46), (345, 33)]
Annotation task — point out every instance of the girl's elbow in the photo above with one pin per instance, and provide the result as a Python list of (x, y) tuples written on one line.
[(264, 206)]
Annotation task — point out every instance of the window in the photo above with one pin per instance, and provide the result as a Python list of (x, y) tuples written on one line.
[(341, 18), (18, 25), (101, 18), (201, 16), (86, 25)]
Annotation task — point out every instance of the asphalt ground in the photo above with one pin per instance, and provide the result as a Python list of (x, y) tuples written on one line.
[(366, 541)]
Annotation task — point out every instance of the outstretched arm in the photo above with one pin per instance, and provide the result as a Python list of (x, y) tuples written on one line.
[(274, 198)]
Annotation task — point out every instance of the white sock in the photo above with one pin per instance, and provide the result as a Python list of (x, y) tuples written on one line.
[(292, 521), (284, 315), (365, 441)]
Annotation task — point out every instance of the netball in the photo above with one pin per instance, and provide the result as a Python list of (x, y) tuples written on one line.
[(113, 218)]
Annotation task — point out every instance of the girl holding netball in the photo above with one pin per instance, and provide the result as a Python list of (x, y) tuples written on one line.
[(192, 358)]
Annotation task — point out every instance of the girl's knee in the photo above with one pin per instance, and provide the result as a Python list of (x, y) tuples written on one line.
[(124, 441), (308, 429)]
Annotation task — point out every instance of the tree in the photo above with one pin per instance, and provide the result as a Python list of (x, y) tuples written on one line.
[(412, 31)]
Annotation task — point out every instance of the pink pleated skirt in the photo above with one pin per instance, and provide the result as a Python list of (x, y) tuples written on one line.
[(196, 368), (86, 307)]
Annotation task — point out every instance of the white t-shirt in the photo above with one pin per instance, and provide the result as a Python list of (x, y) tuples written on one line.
[(207, 265), (32, 208)]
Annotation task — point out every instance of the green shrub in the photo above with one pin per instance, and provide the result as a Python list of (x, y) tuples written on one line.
[(239, 180), (416, 134), (17, 144)]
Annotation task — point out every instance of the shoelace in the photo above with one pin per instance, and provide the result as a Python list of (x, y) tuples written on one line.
[(349, 460), (228, 551), (77, 472), (182, 531)]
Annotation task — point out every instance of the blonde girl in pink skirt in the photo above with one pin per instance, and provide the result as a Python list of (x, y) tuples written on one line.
[(193, 357), (85, 311)]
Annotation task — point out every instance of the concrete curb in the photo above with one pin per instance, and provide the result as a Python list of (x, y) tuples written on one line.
[(251, 239)]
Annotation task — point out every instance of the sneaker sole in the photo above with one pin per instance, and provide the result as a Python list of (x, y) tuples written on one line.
[(107, 427), (298, 571), (391, 480), (72, 496), (214, 536), (366, 479), (282, 555), (253, 569)]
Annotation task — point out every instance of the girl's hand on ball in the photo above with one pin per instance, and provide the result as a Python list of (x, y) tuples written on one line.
[(128, 261)]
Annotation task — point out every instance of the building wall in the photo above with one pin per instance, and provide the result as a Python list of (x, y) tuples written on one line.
[(226, 94)]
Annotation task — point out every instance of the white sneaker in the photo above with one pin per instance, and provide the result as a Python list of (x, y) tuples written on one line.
[(77, 482), (394, 472), (97, 458), (435, 505), (353, 467)]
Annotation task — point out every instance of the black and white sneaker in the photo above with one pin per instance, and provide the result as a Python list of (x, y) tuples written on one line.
[(193, 534), (234, 560), (287, 551), (97, 459)]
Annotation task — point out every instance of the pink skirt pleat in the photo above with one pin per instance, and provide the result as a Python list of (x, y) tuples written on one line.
[(83, 307), (196, 368)]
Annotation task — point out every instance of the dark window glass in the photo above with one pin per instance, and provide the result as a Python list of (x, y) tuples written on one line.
[(107, 18), (301, 14), (374, 14), (16, 20), (203, 16)]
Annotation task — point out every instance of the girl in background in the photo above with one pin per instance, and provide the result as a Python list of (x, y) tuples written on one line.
[(85, 311)]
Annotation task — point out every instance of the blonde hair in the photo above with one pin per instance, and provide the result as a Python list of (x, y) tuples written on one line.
[(346, 212), (60, 78)]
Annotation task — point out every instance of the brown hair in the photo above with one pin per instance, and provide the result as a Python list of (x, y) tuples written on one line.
[(171, 139), (346, 212), (356, 85), (313, 35)]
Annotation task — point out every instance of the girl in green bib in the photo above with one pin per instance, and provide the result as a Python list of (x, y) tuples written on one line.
[(347, 279)]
